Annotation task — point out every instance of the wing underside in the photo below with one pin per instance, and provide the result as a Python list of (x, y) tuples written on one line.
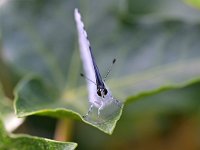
[(84, 47)]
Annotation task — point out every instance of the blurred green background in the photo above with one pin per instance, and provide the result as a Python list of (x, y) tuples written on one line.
[(157, 73)]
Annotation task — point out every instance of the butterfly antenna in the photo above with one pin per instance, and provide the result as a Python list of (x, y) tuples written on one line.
[(82, 75), (110, 68)]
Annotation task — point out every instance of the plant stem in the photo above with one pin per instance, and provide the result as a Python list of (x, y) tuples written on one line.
[(63, 131)]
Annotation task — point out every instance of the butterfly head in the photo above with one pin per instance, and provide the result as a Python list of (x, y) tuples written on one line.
[(102, 91)]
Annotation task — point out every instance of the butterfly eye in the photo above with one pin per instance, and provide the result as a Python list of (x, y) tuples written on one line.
[(105, 91), (99, 92)]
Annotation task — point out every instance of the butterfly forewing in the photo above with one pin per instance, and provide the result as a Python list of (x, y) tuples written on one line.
[(84, 46)]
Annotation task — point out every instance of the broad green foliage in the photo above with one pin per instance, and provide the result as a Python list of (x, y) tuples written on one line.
[(40, 40), (24, 142)]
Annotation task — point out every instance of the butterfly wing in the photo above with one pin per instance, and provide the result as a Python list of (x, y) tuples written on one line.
[(84, 47)]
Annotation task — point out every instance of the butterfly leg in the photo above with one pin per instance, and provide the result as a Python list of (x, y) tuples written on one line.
[(89, 111), (100, 108)]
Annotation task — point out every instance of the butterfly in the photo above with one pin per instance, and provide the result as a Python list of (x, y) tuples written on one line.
[(98, 92)]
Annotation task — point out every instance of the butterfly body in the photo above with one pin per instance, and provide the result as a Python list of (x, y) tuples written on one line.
[(101, 89)]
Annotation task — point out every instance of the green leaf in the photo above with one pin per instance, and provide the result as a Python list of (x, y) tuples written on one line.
[(25, 142), (152, 56), (32, 90)]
